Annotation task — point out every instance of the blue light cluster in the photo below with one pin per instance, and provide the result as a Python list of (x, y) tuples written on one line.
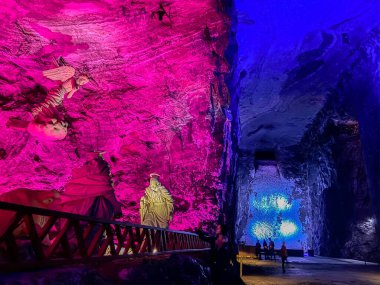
[(274, 212), (275, 201), (288, 228), (274, 215), (262, 230)]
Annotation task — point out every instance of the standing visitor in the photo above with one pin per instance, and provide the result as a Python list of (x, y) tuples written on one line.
[(265, 246), (271, 249), (284, 256), (258, 250), (221, 269)]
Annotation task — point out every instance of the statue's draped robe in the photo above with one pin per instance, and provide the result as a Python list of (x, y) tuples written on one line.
[(48, 109), (156, 207)]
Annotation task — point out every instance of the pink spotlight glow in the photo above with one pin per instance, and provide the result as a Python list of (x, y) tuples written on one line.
[(148, 107)]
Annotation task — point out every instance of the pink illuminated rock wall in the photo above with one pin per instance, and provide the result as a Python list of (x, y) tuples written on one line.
[(157, 104)]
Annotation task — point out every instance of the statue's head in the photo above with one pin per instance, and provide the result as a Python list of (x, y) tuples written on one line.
[(82, 80), (154, 183)]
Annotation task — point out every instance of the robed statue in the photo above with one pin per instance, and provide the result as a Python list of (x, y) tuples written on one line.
[(156, 206)]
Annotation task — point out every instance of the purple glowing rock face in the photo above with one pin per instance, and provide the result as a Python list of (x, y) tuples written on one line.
[(148, 105)]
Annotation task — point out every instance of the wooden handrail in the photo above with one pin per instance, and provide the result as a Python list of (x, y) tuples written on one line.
[(58, 214), (54, 236)]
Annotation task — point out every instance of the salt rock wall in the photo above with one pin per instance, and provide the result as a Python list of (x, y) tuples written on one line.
[(156, 102), (329, 165), (311, 95), (340, 160), (339, 195)]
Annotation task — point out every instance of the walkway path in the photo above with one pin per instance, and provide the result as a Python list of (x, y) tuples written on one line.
[(311, 270)]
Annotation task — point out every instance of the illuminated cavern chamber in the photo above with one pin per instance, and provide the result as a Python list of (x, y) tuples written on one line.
[(273, 210)]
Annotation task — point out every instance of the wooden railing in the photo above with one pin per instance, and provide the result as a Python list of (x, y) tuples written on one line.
[(34, 236)]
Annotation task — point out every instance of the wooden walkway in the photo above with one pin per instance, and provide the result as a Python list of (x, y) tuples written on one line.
[(35, 238)]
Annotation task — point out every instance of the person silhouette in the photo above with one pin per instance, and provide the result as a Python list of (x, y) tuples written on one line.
[(265, 246), (284, 255), (271, 249), (220, 255), (258, 250)]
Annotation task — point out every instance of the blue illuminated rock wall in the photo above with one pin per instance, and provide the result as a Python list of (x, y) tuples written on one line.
[(273, 209), (339, 162), (311, 94), (269, 205), (329, 163)]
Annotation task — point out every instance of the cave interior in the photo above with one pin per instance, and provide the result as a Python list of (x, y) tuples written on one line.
[(264, 115)]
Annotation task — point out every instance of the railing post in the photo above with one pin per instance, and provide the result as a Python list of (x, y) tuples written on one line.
[(95, 240), (79, 236), (164, 240), (66, 246), (150, 233), (187, 241), (33, 235), (181, 241), (176, 244), (169, 238), (107, 241), (12, 250), (141, 239), (145, 241), (58, 239), (131, 239), (120, 238), (156, 241)]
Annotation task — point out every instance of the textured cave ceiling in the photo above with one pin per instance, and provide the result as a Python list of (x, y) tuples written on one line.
[(150, 108), (292, 54)]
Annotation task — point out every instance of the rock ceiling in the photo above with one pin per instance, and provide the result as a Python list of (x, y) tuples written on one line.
[(293, 55)]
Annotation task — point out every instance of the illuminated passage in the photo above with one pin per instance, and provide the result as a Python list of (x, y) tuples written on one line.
[(273, 210)]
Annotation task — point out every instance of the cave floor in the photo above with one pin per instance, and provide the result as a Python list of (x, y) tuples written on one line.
[(311, 270)]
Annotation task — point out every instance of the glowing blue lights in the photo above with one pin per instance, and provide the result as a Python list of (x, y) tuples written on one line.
[(274, 215), (262, 230), (275, 201), (288, 228), (282, 203), (274, 212)]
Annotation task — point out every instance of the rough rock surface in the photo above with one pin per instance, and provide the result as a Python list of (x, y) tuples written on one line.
[(339, 218), (340, 163), (292, 54), (158, 103), (304, 66)]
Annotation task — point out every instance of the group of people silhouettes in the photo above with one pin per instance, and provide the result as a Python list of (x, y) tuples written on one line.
[(268, 249), (269, 252)]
